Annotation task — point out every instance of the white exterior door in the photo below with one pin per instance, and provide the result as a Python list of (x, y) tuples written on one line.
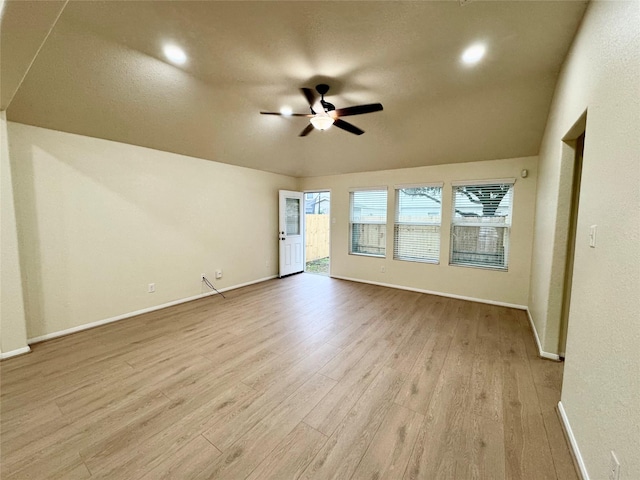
[(290, 233)]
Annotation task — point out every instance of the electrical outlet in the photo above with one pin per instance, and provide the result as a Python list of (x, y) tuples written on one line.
[(614, 467), (382, 269), (218, 274), (202, 275), (152, 288)]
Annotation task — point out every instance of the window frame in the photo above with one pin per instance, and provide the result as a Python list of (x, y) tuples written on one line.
[(504, 227), (397, 223), (352, 191)]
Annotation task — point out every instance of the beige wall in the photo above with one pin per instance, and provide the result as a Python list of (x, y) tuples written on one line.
[(510, 287), (601, 388), (12, 321), (100, 220)]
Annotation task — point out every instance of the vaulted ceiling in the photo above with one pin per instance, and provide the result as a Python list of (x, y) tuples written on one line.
[(98, 69)]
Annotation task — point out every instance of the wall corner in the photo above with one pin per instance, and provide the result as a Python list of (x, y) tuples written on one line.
[(13, 332)]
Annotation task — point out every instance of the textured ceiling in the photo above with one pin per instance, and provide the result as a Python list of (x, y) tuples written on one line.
[(101, 72), (23, 29)]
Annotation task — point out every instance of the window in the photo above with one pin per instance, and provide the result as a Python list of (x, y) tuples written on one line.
[(416, 234), (368, 222), (481, 222), (292, 216)]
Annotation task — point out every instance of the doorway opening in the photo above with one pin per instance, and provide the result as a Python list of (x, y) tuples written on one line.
[(317, 216), (574, 141)]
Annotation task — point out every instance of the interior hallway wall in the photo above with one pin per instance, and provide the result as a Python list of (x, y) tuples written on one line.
[(13, 337), (602, 371)]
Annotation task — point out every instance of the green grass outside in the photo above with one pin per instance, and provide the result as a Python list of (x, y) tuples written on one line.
[(319, 266)]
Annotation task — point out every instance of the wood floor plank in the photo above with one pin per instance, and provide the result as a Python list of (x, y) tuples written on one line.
[(527, 449), (362, 324), (341, 454), (388, 454), (271, 371), (133, 451), (12, 426), (301, 377), (411, 344), (242, 419), (484, 440), (91, 373), (486, 378), (350, 356), (440, 446), (65, 465), (292, 456), (418, 389), (108, 393), (547, 377), (185, 462), (335, 406), (246, 453), (56, 441), (484, 450), (421, 315)]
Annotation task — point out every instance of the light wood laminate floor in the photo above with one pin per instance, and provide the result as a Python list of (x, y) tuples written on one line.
[(305, 377)]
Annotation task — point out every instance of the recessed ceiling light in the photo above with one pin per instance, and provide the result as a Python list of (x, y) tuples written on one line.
[(175, 54), (286, 111), (474, 54)]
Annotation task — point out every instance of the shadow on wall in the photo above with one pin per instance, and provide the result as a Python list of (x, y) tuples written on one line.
[(98, 220)]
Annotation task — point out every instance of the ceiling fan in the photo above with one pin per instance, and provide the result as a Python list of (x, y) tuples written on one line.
[(324, 114)]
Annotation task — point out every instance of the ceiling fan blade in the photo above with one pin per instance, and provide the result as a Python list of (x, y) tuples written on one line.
[(310, 96), (359, 109), (348, 127), (306, 131), (308, 115)]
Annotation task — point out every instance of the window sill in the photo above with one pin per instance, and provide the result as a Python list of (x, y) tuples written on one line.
[(481, 267), (413, 260), (368, 255)]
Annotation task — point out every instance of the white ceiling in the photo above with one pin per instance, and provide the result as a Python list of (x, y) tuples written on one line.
[(101, 72)]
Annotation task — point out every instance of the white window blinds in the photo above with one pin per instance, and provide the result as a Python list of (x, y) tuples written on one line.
[(368, 222), (417, 223), (481, 223)]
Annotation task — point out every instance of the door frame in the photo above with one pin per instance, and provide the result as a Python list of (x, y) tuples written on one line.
[(331, 223), (571, 166)]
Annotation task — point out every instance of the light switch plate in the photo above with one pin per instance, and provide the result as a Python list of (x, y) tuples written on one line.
[(592, 236)]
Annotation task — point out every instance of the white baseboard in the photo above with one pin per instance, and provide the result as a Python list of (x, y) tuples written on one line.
[(13, 353), (430, 292), (542, 353), (98, 323), (575, 450)]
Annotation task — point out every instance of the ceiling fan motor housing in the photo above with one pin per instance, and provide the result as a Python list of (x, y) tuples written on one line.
[(322, 88)]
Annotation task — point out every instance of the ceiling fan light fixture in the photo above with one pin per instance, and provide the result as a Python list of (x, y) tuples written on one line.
[(322, 121)]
